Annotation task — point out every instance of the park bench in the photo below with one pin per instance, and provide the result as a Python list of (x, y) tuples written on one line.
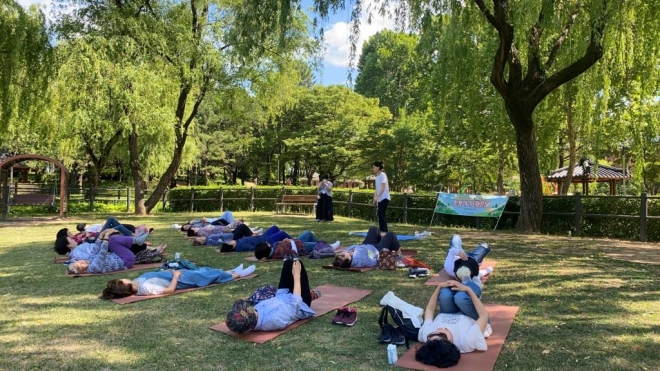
[(34, 199), (295, 200)]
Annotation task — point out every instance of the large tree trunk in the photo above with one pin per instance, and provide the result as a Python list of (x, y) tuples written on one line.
[(136, 171), (531, 197), (501, 157)]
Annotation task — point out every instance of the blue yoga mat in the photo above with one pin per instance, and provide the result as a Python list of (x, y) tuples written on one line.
[(400, 237)]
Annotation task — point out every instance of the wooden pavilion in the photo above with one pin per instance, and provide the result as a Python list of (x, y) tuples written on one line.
[(587, 173)]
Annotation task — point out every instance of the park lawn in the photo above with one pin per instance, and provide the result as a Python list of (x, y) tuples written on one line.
[(579, 308)]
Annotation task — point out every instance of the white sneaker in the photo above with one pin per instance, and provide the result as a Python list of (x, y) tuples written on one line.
[(425, 234), (351, 233), (248, 271), (237, 269), (335, 245), (259, 230)]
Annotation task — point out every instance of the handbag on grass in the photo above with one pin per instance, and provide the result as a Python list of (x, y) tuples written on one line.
[(387, 259)]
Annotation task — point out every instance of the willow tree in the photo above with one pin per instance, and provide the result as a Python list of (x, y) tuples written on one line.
[(530, 37), (25, 61)]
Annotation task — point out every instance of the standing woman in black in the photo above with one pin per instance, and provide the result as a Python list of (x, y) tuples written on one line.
[(324, 203)]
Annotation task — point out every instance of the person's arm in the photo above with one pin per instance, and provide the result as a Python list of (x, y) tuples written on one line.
[(429, 313), (295, 270), (320, 186), (328, 185), (482, 321), (175, 279)]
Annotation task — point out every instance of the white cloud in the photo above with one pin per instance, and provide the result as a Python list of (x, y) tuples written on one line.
[(337, 42)]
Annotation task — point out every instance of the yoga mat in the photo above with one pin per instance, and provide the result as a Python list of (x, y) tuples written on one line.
[(443, 276), (405, 253), (501, 318), (60, 259), (136, 267), (134, 298), (332, 297), (400, 237)]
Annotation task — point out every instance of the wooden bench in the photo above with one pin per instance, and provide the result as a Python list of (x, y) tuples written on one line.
[(295, 200), (34, 199)]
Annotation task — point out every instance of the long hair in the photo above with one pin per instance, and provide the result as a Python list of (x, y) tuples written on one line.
[(61, 245), (116, 289)]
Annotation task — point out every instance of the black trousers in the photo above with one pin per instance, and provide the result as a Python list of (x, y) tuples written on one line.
[(388, 241), (242, 231), (382, 222), (286, 281), (324, 208)]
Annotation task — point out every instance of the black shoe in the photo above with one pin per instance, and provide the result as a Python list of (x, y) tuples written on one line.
[(386, 334), (418, 272), (397, 337)]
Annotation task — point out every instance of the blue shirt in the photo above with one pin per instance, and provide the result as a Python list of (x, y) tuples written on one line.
[(103, 261), (364, 256), (281, 311), (248, 243)]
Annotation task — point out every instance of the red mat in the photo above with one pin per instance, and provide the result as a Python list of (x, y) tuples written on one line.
[(332, 297), (501, 318), (443, 276), (134, 298), (405, 253), (136, 267)]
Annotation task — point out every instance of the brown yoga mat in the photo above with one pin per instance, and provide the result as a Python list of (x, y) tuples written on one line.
[(443, 276), (332, 297), (60, 259), (136, 267), (253, 259), (501, 318), (405, 253), (134, 298)]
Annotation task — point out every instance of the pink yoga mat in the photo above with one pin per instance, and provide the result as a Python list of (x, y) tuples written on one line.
[(332, 297), (60, 259), (443, 276), (136, 267), (134, 298), (501, 318), (405, 253)]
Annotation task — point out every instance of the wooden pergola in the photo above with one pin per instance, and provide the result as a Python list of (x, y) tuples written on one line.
[(589, 174)]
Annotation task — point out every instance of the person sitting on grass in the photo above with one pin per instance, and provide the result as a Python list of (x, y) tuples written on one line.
[(460, 327), (267, 310), (167, 281), (299, 246), (110, 255), (366, 254)]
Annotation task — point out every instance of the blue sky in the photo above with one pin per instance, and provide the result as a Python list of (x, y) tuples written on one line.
[(334, 69)]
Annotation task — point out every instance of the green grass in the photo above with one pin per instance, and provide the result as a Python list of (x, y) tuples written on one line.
[(579, 309)]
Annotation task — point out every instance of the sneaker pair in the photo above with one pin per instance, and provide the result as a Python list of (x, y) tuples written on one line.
[(345, 316), (418, 272), (391, 335)]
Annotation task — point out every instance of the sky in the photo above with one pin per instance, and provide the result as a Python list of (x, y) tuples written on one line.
[(334, 69)]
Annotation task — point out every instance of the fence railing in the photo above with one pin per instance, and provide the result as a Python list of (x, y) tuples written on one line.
[(625, 217)]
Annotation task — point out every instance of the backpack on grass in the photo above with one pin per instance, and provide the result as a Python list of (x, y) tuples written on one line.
[(400, 334)]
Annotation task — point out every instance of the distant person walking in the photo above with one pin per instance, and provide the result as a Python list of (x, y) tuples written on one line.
[(382, 194), (324, 203)]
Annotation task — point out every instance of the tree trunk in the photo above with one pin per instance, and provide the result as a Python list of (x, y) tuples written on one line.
[(136, 172), (501, 156), (531, 197)]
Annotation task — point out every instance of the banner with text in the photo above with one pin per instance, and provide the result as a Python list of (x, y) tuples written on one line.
[(470, 205)]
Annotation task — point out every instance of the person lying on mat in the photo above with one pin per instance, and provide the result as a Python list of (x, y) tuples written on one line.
[(166, 282), (64, 237), (460, 327), (247, 242), (218, 238), (460, 263), (65, 244), (366, 254), (218, 229), (269, 310), (110, 255), (299, 246), (227, 218)]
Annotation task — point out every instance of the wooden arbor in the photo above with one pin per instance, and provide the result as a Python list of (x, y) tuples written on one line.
[(589, 174), (5, 167)]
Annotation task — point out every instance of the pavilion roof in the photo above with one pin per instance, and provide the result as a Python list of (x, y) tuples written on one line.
[(600, 172)]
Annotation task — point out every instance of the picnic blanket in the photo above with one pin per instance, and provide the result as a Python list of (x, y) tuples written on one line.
[(134, 298), (136, 267), (443, 276), (501, 318), (332, 297)]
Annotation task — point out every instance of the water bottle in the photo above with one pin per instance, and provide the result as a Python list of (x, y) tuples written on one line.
[(392, 356), (177, 256)]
